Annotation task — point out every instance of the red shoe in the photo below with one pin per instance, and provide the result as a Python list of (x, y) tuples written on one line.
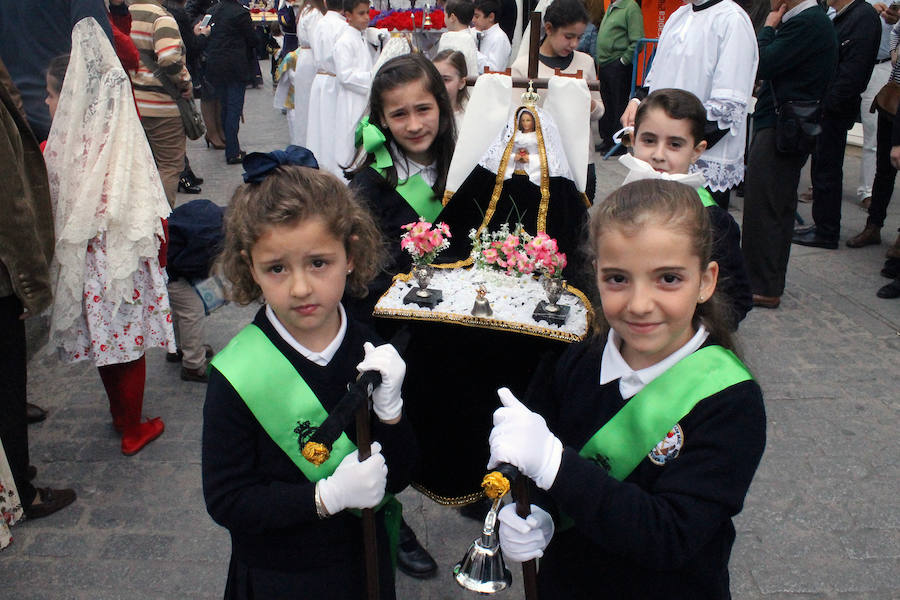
[(135, 437)]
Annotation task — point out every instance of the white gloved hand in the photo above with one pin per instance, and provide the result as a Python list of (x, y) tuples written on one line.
[(355, 484), (524, 539), (385, 359), (521, 438)]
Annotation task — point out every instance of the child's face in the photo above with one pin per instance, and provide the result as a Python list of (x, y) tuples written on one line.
[(562, 41), (358, 18), (650, 283), (452, 80), (482, 21), (52, 98), (302, 269), (412, 114), (665, 143), (526, 122)]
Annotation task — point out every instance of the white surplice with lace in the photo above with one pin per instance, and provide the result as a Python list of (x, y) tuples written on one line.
[(712, 53)]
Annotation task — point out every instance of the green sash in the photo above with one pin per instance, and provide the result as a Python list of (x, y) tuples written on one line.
[(706, 198), (281, 401), (623, 442), (414, 190)]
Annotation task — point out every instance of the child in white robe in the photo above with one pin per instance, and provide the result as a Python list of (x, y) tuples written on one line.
[(340, 88), (494, 44)]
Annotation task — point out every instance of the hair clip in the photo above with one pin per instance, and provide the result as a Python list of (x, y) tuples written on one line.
[(257, 165)]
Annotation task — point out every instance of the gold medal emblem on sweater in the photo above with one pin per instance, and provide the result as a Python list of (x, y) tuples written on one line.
[(668, 448)]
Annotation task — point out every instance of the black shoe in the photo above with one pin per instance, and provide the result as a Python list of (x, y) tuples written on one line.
[(814, 240), (412, 558), (476, 511), (236, 160), (189, 173), (175, 357), (50, 502), (186, 186), (195, 375), (891, 290), (34, 413), (890, 273)]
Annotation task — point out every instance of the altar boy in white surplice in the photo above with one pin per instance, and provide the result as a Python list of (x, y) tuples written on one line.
[(709, 49), (341, 86)]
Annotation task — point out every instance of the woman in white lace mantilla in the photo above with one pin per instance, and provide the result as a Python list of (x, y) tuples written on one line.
[(110, 292)]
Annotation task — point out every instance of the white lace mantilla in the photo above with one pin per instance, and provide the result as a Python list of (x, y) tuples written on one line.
[(557, 165), (102, 177)]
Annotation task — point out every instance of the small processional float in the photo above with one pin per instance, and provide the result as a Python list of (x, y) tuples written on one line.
[(484, 331)]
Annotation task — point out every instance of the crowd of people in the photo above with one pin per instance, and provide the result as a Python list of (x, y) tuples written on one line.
[(386, 131)]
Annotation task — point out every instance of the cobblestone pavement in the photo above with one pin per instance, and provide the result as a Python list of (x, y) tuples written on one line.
[(822, 519)]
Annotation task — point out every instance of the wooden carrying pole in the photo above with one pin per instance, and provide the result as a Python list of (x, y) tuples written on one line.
[(523, 509), (370, 544)]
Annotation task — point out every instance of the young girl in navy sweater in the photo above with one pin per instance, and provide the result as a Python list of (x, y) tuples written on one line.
[(654, 427), (297, 238), (404, 149)]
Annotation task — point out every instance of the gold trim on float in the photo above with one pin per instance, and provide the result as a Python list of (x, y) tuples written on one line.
[(545, 177), (449, 501)]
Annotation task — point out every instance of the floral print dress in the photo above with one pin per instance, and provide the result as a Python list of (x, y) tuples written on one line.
[(110, 334), (10, 505)]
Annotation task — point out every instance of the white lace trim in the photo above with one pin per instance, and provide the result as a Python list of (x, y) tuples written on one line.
[(720, 176), (728, 114), (557, 165), (102, 177)]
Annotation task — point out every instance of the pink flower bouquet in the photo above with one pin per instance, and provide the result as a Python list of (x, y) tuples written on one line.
[(517, 253), (424, 240)]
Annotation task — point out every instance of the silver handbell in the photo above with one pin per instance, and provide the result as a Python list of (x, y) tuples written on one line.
[(482, 569)]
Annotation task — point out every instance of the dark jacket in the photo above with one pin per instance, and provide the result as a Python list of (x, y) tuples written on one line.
[(798, 58), (26, 229), (229, 49), (253, 489), (31, 34), (858, 29), (665, 531)]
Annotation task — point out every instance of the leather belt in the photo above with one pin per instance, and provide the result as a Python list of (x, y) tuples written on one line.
[(325, 73), (882, 61)]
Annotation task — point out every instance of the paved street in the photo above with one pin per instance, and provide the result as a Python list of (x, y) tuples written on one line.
[(822, 519)]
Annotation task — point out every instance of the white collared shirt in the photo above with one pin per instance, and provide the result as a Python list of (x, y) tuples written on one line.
[(320, 358), (406, 168), (495, 47), (798, 9), (613, 366)]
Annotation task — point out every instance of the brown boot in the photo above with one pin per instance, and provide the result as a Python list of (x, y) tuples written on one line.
[(870, 236), (894, 251)]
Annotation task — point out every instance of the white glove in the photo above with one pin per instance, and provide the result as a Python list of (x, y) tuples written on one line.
[(354, 484), (521, 438), (386, 360), (524, 539)]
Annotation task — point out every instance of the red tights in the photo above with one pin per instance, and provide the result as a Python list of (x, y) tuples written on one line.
[(124, 383)]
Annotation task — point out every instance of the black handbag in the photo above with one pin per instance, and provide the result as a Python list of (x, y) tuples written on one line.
[(797, 125), (194, 127)]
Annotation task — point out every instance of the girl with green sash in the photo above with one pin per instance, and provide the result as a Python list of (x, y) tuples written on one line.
[(404, 149), (297, 239), (654, 428)]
